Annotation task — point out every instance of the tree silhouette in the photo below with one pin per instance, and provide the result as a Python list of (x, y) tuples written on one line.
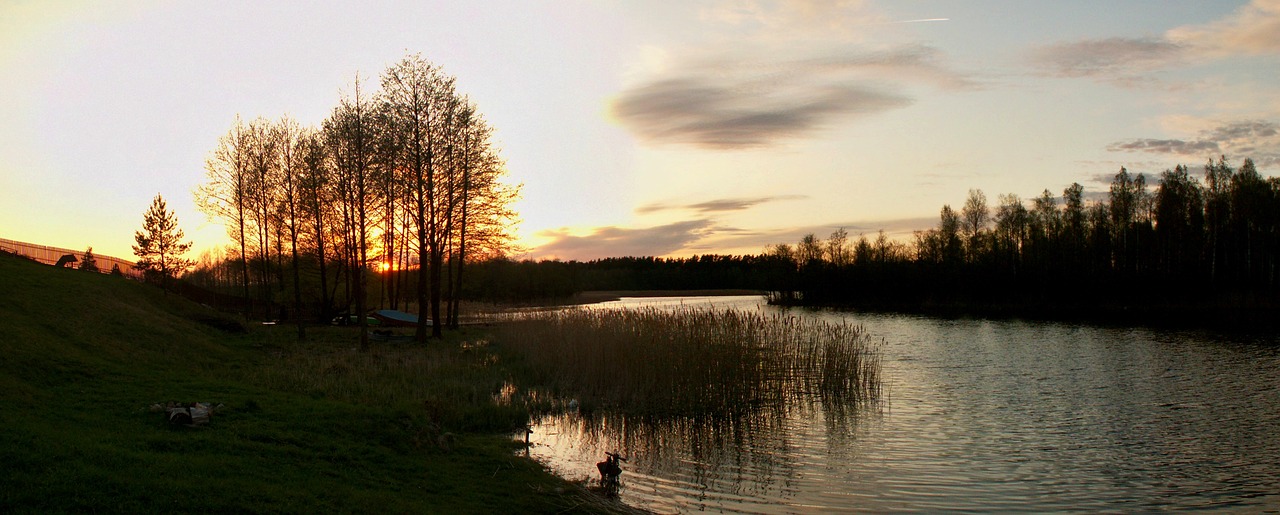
[(973, 218), (1179, 213), (159, 244), (226, 194), (88, 262)]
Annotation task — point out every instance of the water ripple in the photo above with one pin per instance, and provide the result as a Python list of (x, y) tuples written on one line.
[(983, 416)]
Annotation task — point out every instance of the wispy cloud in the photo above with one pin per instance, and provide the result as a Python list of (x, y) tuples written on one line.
[(1256, 139), (738, 102), (1167, 146), (705, 236), (1111, 57), (771, 71), (1251, 30), (717, 205), (620, 241)]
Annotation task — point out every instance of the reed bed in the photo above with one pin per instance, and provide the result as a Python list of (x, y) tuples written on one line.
[(693, 361)]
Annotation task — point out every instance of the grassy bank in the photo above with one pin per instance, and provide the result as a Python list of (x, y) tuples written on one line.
[(305, 428)]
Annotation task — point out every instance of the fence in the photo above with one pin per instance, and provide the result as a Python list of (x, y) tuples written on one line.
[(58, 256)]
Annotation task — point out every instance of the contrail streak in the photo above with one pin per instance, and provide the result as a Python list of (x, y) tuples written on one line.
[(924, 20)]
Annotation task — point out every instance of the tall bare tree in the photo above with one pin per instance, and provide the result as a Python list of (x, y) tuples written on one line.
[(293, 145), (417, 97), (225, 195), (974, 217), (261, 193), (349, 132)]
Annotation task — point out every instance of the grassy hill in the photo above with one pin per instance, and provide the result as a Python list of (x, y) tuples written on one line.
[(314, 427)]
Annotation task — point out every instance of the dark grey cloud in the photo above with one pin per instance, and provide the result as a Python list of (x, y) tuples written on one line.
[(717, 205), (1256, 139), (738, 101), (1115, 58)]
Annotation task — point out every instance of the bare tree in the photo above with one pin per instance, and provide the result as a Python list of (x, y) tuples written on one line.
[(417, 97), (974, 216), (293, 148), (809, 250), (838, 247), (261, 193), (481, 215), (349, 132), (225, 194)]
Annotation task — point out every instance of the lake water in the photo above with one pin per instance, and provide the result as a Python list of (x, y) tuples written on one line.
[(977, 416)]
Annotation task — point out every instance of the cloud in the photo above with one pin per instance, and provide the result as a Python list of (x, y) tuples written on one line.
[(766, 71), (709, 113), (1251, 30), (717, 205), (701, 235), (1166, 146), (1256, 139), (734, 101), (605, 242), (753, 242), (1245, 131), (1106, 57), (705, 236)]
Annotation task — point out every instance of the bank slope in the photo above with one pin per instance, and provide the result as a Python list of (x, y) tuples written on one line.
[(83, 356)]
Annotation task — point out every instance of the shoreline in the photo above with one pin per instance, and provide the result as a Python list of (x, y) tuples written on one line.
[(1242, 316), (1182, 316), (583, 298)]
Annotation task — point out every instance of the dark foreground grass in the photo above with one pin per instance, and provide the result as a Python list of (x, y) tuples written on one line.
[(306, 428)]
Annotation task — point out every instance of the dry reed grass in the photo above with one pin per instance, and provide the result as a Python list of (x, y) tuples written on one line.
[(453, 383), (691, 361)]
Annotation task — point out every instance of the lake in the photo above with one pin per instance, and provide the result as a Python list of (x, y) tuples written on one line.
[(977, 415)]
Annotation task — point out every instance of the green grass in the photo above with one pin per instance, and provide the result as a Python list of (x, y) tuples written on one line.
[(314, 427)]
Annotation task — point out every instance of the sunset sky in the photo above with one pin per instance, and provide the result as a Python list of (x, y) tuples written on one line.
[(647, 128)]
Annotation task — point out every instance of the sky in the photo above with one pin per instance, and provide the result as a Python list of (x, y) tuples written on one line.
[(643, 128)]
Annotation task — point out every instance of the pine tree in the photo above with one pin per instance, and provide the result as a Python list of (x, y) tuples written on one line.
[(159, 244), (88, 262)]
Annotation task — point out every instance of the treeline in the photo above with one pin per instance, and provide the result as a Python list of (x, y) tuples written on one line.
[(405, 180), (505, 280), (1182, 246)]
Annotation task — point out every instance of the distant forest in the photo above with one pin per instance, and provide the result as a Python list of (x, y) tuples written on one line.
[(1183, 247)]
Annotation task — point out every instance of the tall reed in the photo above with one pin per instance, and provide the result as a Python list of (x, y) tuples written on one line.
[(692, 361)]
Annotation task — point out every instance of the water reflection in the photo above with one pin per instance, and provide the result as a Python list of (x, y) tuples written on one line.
[(977, 416), (746, 461)]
